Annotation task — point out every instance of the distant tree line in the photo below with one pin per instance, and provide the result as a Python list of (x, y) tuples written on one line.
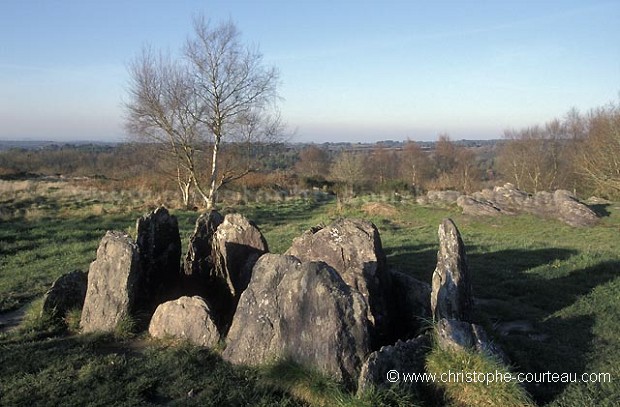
[(383, 168), (580, 152)]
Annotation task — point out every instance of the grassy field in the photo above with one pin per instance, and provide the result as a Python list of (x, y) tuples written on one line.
[(552, 290)]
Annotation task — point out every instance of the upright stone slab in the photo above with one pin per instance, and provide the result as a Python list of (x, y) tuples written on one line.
[(353, 248), (113, 281), (237, 245), (301, 311), (198, 264), (159, 243), (451, 289)]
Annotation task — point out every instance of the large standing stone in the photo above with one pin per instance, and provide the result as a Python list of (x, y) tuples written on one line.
[(159, 243), (198, 265), (186, 318), (353, 248), (237, 245), (303, 311), (113, 279), (451, 289)]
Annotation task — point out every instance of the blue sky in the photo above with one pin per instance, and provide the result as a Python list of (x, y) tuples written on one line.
[(350, 70)]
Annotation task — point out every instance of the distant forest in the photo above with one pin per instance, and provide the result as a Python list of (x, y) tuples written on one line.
[(580, 153)]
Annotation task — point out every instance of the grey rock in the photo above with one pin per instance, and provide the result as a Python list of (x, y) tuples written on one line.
[(187, 318), (159, 244), (302, 311), (237, 245), (460, 335), (507, 200), (451, 295), (402, 357), (412, 309), (353, 248), (113, 281), (573, 212), (198, 265), (477, 207), (66, 293), (442, 197)]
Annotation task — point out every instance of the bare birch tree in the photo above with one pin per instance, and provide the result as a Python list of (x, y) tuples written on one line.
[(231, 83), (160, 112), (206, 97)]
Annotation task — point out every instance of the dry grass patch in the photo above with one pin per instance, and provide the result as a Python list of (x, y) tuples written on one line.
[(380, 209)]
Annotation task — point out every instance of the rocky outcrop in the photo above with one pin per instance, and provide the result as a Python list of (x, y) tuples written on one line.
[(571, 211), (66, 293), (198, 265), (303, 311), (159, 246), (186, 318), (353, 248), (412, 300), (451, 289), (237, 245), (477, 207), (508, 200), (401, 358), (439, 198), (113, 282)]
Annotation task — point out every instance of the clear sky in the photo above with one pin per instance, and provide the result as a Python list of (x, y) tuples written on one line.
[(350, 70)]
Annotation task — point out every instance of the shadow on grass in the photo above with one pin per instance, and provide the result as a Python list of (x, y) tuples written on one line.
[(600, 210), (525, 293), (415, 260), (532, 286), (282, 213), (86, 369)]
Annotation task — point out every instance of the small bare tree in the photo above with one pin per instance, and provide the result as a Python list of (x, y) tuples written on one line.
[(160, 112), (313, 162), (535, 158), (415, 165), (599, 158), (349, 169), (218, 89), (231, 84)]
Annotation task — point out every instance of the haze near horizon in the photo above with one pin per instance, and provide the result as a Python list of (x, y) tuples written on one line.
[(350, 70)]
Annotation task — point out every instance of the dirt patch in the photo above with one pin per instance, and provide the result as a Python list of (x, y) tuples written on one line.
[(10, 320), (380, 209)]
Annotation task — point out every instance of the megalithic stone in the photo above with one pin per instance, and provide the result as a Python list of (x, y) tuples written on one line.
[(451, 295)]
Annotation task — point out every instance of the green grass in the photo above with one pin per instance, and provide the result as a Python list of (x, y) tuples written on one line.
[(564, 281), (478, 379)]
